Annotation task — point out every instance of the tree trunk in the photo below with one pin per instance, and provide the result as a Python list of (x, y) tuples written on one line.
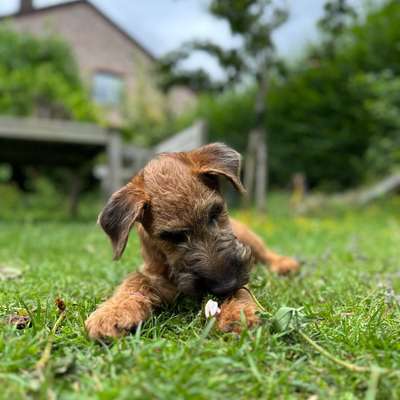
[(358, 197), (261, 142), (261, 172), (76, 181), (250, 167)]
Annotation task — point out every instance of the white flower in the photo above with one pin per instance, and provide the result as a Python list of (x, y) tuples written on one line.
[(211, 309)]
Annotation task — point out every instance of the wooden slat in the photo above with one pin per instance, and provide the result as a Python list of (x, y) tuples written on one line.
[(189, 139), (114, 151), (131, 153), (52, 131)]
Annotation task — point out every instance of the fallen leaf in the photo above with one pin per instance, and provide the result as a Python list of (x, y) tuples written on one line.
[(286, 319), (19, 321), (60, 304), (9, 273)]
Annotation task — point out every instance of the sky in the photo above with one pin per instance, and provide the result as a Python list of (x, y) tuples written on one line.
[(162, 25)]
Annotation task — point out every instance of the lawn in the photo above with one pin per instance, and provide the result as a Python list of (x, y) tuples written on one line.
[(348, 290)]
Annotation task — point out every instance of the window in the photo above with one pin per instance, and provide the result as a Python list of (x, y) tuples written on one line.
[(107, 88)]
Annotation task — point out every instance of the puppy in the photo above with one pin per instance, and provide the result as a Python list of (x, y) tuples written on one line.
[(189, 243)]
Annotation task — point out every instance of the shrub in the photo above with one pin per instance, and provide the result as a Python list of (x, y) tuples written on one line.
[(40, 77)]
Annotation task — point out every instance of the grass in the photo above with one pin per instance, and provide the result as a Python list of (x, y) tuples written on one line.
[(347, 288)]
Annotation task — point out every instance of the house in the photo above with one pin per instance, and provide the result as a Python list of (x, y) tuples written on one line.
[(118, 70)]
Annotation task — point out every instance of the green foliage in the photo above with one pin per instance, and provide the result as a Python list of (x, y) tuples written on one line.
[(382, 101), (47, 200), (229, 117), (348, 289), (333, 116), (253, 21), (39, 77), (336, 17), (374, 43), (320, 128)]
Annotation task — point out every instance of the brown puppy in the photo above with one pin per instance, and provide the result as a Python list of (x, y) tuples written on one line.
[(189, 243)]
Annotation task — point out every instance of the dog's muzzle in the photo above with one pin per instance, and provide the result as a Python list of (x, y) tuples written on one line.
[(218, 265)]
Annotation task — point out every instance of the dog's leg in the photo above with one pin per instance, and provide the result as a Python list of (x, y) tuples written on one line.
[(280, 264), (230, 317), (132, 302)]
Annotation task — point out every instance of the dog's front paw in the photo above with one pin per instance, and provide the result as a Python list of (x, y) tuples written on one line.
[(285, 266), (234, 313), (110, 321)]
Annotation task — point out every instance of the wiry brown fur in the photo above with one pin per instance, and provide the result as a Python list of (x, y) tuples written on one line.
[(189, 243)]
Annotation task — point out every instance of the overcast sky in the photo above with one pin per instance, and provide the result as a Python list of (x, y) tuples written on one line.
[(161, 25)]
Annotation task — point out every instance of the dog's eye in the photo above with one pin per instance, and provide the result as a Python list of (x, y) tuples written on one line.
[(215, 212), (174, 237)]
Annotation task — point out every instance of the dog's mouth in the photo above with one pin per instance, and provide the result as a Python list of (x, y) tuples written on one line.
[(227, 287), (197, 287)]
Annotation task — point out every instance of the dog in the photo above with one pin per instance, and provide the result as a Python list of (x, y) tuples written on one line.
[(189, 243)]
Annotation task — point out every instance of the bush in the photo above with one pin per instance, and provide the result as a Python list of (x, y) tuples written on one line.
[(40, 77), (383, 104)]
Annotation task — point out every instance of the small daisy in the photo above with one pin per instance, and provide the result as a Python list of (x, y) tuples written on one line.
[(211, 309)]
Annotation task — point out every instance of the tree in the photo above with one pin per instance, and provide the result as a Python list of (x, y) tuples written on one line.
[(253, 21), (335, 119), (338, 15)]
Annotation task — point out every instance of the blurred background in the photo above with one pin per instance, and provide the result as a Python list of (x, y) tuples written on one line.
[(308, 91)]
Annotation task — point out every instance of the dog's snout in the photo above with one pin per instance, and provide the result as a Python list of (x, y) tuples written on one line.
[(216, 265), (224, 288)]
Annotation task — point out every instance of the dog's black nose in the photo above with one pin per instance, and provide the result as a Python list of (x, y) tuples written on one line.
[(224, 288)]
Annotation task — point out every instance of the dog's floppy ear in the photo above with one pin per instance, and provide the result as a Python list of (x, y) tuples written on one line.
[(218, 159), (125, 207)]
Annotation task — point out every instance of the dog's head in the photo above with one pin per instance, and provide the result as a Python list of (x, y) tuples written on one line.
[(177, 200)]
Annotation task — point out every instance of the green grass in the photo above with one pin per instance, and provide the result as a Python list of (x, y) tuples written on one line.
[(352, 260)]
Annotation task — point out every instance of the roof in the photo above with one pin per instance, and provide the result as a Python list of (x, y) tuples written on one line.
[(93, 7)]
